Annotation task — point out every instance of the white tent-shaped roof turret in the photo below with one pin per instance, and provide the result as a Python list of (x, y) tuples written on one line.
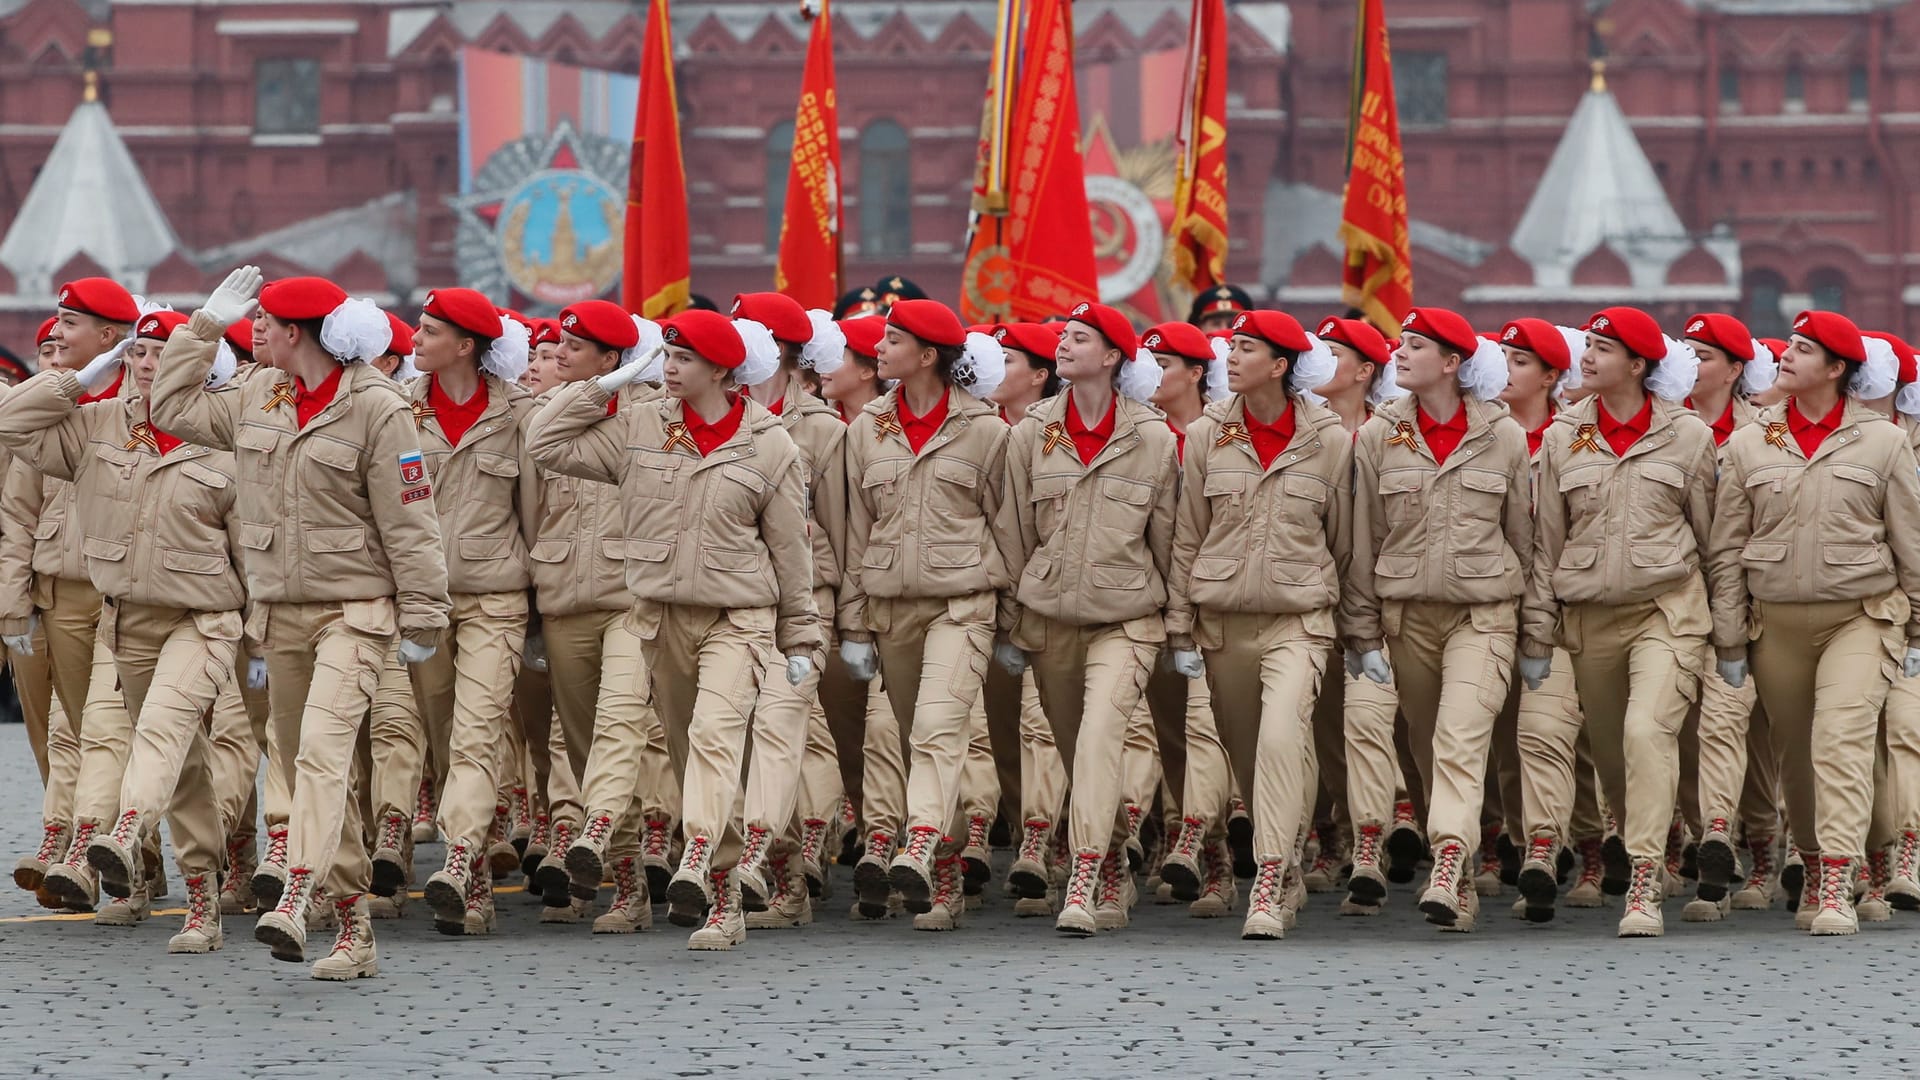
[(89, 198)]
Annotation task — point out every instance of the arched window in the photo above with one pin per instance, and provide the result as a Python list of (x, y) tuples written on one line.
[(886, 193), (1828, 290), (779, 159), (1764, 315)]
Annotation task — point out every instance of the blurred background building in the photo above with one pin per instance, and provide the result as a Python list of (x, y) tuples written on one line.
[(1757, 156)]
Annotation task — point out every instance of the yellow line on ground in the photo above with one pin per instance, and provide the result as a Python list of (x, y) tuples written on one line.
[(87, 916)]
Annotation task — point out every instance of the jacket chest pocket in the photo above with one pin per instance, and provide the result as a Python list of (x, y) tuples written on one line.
[(1226, 494), (1659, 498), (1403, 496), (1124, 505), (499, 473), (1770, 492), (654, 476), (1303, 499), (1049, 494), (1852, 499), (1479, 512), (955, 497), (253, 453), (880, 487), (1580, 490), (740, 496), (116, 472)]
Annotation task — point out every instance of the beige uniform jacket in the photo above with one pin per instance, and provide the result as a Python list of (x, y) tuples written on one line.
[(1089, 545), (153, 530), (1271, 540), (579, 554), (818, 431), (1458, 533), (487, 493), (921, 525), (1617, 530), (1842, 525), (36, 544), (727, 530), (340, 510)]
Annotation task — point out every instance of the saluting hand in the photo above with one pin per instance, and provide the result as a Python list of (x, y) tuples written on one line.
[(236, 298)]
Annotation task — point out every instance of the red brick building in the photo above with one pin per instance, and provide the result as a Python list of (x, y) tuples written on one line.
[(323, 138)]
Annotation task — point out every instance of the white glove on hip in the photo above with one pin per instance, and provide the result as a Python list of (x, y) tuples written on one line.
[(236, 298), (862, 660), (1188, 662), (1910, 667), (257, 673), (1734, 672), (23, 643), (798, 668), (1010, 658), (1374, 665), (416, 654), (1534, 670)]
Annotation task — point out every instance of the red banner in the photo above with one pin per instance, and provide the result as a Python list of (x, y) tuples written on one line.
[(1378, 280), (655, 279), (1037, 260), (809, 265), (1200, 192)]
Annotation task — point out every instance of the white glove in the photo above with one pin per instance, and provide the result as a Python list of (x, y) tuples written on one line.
[(1911, 666), (1353, 663), (862, 661), (534, 653), (416, 654), (1375, 666), (613, 380), (23, 643), (1010, 658), (1187, 662), (1734, 672), (257, 673), (98, 373), (236, 298), (798, 668), (1534, 670)]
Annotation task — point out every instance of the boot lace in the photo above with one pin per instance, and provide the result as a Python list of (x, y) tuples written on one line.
[(657, 840), (277, 846), (1113, 881), (1640, 889), (125, 829), (423, 804), (1836, 885), (813, 834), (977, 831), (754, 850), (348, 936), (1086, 870), (920, 842), (1540, 849), (1446, 867), (626, 889), (299, 880), (393, 828), (717, 914), (200, 903), (1590, 871), (52, 833), (1033, 841), (1366, 846), (599, 827), (1267, 887), (1909, 856), (82, 836)]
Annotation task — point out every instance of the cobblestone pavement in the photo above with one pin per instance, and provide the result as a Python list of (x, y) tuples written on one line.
[(1000, 998)]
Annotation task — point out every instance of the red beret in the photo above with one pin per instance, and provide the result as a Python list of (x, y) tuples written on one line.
[(1776, 346), (1181, 339), (1631, 327), (1723, 332), (1358, 335), (46, 333), (240, 336), (708, 333), (103, 298), (1539, 337), (300, 299), (401, 344), (509, 313), (602, 322), (160, 325), (1832, 331), (864, 334), (1276, 328), (466, 309), (545, 331), (929, 320), (1443, 326), (1112, 325), (781, 314), (1903, 352), (1040, 340)]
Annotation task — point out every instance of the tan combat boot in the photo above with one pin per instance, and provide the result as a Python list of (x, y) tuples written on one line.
[(726, 925), (691, 893), (284, 928), (1642, 916), (201, 933), (450, 886), (353, 955), (32, 869), (271, 875), (1264, 921), (632, 908)]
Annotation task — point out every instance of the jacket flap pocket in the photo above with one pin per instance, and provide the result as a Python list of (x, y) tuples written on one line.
[(94, 547), (956, 472), (1763, 551), (1303, 486), (334, 454), (1104, 576), (115, 455), (1653, 554), (1664, 472), (1216, 567), (1483, 480), (877, 556), (611, 547), (1225, 482), (952, 556), (1575, 479), (1039, 567), (1052, 486), (254, 537), (1578, 558), (1396, 566), (347, 538), (648, 550), (504, 465), (1402, 481), (731, 562), (1131, 492), (1851, 554), (376, 617), (558, 551), (48, 528), (213, 478), (485, 547), (193, 562), (880, 473), (745, 476), (255, 437), (1857, 473), (1291, 572), (1479, 566)]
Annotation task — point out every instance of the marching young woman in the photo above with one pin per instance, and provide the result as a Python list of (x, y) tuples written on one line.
[(468, 415), (1817, 523), (340, 546), (1086, 527), (921, 569), (1624, 514), (1732, 735), (1257, 560), (616, 746), (718, 564), (1442, 533), (48, 603), (1897, 797), (158, 516)]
